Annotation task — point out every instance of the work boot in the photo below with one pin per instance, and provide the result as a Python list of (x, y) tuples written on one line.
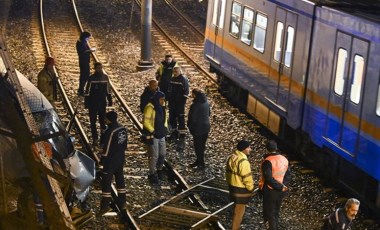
[(173, 136), (181, 145), (160, 174), (193, 165), (104, 206), (153, 179)]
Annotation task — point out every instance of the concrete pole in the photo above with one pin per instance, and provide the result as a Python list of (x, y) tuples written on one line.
[(146, 60)]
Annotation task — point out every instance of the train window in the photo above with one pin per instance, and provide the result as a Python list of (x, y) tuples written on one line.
[(289, 46), (246, 30), (278, 48), (235, 19), (378, 102), (218, 14), (339, 73), (356, 86), (260, 32)]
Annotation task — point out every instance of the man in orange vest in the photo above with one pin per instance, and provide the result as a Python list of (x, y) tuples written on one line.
[(274, 180)]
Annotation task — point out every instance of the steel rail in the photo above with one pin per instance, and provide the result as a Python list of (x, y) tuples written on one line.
[(179, 13), (65, 98)]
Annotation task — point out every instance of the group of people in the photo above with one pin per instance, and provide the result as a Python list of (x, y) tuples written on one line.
[(273, 187), (97, 95), (163, 104), (95, 88)]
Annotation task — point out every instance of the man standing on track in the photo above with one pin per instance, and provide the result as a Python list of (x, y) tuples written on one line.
[(178, 94), (113, 157), (47, 81), (97, 91), (239, 179), (84, 52), (165, 72), (198, 122), (156, 123), (273, 184)]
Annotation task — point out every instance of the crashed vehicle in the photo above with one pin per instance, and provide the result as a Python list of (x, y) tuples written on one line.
[(15, 178)]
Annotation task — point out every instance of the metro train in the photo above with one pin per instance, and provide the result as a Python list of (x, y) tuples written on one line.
[(66, 160), (309, 72)]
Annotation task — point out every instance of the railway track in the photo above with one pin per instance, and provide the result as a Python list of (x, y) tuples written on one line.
[(188, 52), (67, 72)]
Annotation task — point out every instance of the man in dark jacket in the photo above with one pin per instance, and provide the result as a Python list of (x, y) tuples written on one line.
[(84, 51), (341, 219), (112, 159), (198, 122), (164, 73), (273, 184), (97, 90), (148, 94), (178, 94)]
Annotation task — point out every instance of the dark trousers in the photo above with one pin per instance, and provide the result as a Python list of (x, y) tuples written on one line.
[(177, 115), (272, 200), (84, 74), (108, 174), (200, 146), (93, 113)]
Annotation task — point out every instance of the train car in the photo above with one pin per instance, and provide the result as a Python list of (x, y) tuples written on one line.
[(308, 71), (65, 159)]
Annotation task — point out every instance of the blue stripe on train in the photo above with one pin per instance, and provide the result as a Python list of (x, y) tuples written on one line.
[(257, 84), (367, 156)]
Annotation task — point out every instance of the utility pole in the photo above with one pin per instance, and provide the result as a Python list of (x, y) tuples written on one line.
[(146, 61)]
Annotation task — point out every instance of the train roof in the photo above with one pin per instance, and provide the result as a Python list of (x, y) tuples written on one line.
[(368, 9)]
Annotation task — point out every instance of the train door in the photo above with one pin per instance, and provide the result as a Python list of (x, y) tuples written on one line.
[(345, 100), (218, 16), (282, 56)]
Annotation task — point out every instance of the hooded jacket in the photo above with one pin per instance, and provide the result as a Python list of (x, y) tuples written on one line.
[(47, 84), (150, 119)]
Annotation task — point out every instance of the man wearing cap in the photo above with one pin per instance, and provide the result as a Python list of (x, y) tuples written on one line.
[(239, 179), (47, 81), (84, 51), (164, 73), (273, 184), (112, 158)]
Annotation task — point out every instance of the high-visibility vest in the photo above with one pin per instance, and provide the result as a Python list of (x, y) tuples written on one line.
[(279, 167)]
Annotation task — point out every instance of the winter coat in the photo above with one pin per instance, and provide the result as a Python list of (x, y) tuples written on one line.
[(149, 122), (198, 120), (115, 144), (97, 90), (164, 74), (178, 90), (47, 84)]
